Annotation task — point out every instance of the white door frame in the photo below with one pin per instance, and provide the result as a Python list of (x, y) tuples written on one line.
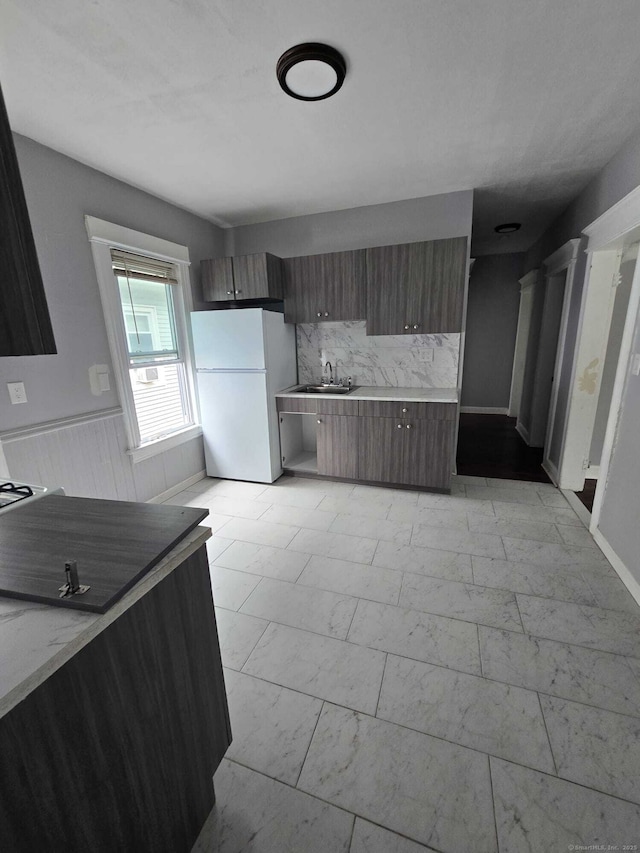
[(522, 339), (563, 260)]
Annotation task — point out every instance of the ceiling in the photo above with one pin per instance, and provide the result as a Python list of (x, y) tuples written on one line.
[(522, 100)]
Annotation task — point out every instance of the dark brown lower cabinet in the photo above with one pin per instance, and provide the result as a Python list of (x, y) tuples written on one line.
[(337, 437), (428, 453), (116, 749), (380, 451)]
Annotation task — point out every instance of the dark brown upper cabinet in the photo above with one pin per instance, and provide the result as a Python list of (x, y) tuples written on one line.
[(416, 288), (25, 327), (256, 276), (325, 287)]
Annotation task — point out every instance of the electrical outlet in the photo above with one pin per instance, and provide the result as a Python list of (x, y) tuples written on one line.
[(17, 394)]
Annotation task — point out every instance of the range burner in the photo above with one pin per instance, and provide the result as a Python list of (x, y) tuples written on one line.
[(12, 493)]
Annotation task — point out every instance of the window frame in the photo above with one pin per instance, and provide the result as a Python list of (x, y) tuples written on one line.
[(104, 236)]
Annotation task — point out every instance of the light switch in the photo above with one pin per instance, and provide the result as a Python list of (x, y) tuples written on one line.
[(635, 364), (17, 394), (99, 379)]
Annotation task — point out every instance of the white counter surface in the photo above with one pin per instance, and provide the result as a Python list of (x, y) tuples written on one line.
[(370, 392), (37, 639)]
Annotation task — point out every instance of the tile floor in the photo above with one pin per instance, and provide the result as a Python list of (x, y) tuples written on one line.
[(410, 672)]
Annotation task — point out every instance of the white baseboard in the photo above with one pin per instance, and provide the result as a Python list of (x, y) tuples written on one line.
[(179, 487), (523, 432), (483, 410), (578, 507), (551, 471), (621, 570)]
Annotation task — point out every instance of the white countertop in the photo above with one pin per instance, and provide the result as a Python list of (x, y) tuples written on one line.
[(37, 639), (371, 392)]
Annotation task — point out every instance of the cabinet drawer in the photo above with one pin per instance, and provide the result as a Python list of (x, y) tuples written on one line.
[(407, 409), (337, 407), (304, 405)]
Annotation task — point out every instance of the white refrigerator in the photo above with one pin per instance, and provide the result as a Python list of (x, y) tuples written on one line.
[(243, 357)]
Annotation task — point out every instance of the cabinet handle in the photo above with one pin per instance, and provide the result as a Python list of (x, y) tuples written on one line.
[(399, 426), (326, 313), (407, 326), (229, 292), (318, 421), (408, 426), (319, 314), (405, 410), (417, 325), (239, 291)]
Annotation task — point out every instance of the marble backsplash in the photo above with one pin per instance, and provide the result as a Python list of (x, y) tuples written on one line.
[(397, 361)]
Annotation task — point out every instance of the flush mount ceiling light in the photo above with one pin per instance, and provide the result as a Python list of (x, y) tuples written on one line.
[(508, 228), (311, 71)]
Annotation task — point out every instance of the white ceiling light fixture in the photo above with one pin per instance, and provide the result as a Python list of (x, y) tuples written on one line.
[(311, 71)]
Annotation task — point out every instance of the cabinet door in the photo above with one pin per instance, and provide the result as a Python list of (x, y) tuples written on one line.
[(380, 450), (217, 280), (428, 453), (337, 437), (325, 287), (388, 270), (439, 300), (25, 327), (257, 276)]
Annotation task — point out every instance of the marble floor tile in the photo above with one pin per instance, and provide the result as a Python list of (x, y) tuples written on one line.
[(292, 496), (502, 483), (517, 529), (536, 813), (231, 589), (454, 503), (338, 545), (353, 506), (364, 581), (532, 579), (238, 634), (255, 814), (596, 748), (486, 715), (313, 519), (237, 489), (578, 536), (329, 669), (263, 560), (551, 554), (482, 544), (555, 498), (239, 507), (301, 607), (271, 725), (259, 532), (572, 672), (435, 792), (325, 487), (593, 627), (491, 493), (425, 561), (422, 636), (430, 517), (374, 528), (204, 485), (369, 838), (468, 480), (394, 496), (483, 605), (551, 515), (215, 546), (611, 593)]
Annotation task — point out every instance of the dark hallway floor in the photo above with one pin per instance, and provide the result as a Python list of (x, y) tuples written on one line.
[(587, 495), (489, 446)]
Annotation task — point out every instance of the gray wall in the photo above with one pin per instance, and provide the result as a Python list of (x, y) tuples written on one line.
[(492, 322), (618, 178), (430, 218), (59, 192)]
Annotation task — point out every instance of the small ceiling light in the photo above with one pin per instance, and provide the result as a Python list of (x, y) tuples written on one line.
[(311, 71), (508, 228)]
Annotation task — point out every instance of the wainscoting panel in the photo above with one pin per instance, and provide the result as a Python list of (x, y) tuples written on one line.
[(87, 456)]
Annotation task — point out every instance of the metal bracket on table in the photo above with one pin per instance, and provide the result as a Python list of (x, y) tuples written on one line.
[(72, 586)]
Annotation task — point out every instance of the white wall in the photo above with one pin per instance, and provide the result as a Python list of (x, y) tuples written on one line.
[(59, 192)]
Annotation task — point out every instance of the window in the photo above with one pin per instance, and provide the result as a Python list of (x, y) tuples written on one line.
[(146, 299)]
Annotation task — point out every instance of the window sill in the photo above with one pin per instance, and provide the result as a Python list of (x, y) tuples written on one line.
[(161, 445)]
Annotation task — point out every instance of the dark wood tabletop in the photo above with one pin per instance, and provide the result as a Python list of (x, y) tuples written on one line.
[(114, 544)]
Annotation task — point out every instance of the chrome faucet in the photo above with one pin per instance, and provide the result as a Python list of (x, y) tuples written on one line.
[(328, 365)]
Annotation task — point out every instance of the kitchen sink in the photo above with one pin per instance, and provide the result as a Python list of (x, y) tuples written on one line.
[(325, 389)]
